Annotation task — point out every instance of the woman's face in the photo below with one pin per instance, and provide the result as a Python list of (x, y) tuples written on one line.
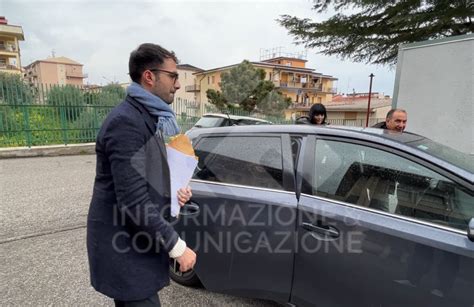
[(318, 119)]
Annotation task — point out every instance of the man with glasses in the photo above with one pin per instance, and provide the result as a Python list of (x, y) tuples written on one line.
[(130, 238)]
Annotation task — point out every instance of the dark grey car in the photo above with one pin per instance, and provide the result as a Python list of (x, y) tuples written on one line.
[(330, 216)]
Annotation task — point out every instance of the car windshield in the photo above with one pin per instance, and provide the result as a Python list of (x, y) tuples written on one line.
[(208, 122), (457, 158)]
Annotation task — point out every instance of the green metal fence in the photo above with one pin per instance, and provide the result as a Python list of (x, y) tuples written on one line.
[(52, 114), (45, 115)]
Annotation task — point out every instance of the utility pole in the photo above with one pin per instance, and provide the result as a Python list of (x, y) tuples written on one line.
[(368, 105)]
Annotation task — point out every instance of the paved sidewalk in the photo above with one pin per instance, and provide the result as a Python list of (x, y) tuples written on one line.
[(47, 151), (43, 209)]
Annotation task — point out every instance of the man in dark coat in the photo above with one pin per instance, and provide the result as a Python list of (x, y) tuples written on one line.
[(396, 120), (129, 233)]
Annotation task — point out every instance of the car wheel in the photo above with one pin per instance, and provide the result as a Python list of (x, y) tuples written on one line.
[(189, 278)]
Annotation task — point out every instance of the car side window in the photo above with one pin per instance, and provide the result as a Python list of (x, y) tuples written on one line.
[(244, 160), (384, 181)]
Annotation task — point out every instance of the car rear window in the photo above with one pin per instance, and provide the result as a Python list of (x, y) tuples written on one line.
[(209, 122)]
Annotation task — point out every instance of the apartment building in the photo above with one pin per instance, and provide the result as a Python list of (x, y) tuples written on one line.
[(10, 36), (55, 70), (187, 80), (290, 76), (351, 109)]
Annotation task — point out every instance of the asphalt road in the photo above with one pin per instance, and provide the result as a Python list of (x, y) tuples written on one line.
[(44, 203)]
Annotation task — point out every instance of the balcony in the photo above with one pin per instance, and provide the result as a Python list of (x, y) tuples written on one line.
[(193, 88), (300, 106), (74, 74), (330, 90), (297, 85), (314, 87), (8, 48), (8, 67)]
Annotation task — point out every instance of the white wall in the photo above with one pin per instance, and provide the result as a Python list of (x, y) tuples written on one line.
[(434, 83)]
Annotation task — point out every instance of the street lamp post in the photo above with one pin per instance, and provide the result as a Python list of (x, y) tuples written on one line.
[(370, 96)]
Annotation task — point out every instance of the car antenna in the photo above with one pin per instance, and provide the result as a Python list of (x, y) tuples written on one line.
[(228, 116)]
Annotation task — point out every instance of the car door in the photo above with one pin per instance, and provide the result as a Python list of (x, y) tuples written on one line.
[(378, 227), (244, 228)]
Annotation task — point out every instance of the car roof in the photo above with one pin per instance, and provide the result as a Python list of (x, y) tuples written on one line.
[(390, 138), (346, 131), (235, 117)]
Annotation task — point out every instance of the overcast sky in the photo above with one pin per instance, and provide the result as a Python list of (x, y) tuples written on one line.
[(206, 34)]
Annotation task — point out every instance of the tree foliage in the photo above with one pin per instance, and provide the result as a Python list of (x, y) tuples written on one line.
[(14, 91), (245, 87), (65, 95), (114, 89), (69, 97), (216, 98), (273, 104), (372, 30)]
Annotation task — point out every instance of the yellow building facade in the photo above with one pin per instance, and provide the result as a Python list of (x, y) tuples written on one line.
[(304, 86), (10, 36)]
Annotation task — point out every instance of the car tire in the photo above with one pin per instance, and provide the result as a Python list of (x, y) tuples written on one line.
[(188, 279)]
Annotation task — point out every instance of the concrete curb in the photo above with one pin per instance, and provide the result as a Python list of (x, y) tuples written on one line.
[(47, 151)]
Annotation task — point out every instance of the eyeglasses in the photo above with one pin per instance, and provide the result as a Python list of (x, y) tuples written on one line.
[(172, 74)]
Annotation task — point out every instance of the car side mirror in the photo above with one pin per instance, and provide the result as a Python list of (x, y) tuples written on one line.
[(470, 230)]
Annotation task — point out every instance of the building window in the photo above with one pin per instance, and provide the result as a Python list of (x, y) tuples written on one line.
[(208, 80), (213, 80)]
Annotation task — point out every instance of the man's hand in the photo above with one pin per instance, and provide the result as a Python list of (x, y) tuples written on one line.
[(184, 195), (187, 260)]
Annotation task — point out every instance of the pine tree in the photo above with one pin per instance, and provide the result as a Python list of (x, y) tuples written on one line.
[(245, 87), (372, 30)]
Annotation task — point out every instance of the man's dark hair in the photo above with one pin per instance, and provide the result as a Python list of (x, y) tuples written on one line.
[(147, 56), (390, 113)]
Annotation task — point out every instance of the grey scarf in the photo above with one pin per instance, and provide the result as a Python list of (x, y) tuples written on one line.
[(157, 107)]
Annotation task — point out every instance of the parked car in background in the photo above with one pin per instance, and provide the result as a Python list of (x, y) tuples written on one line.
[(330, 216), (211, 120)]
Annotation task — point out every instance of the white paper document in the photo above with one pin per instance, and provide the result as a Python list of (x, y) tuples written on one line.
[(181, 171)]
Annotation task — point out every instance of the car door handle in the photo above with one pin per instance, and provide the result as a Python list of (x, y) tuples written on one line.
[(325, 230), (189, 209)]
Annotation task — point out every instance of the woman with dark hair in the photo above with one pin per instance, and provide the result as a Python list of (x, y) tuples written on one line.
[(317, 114)]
